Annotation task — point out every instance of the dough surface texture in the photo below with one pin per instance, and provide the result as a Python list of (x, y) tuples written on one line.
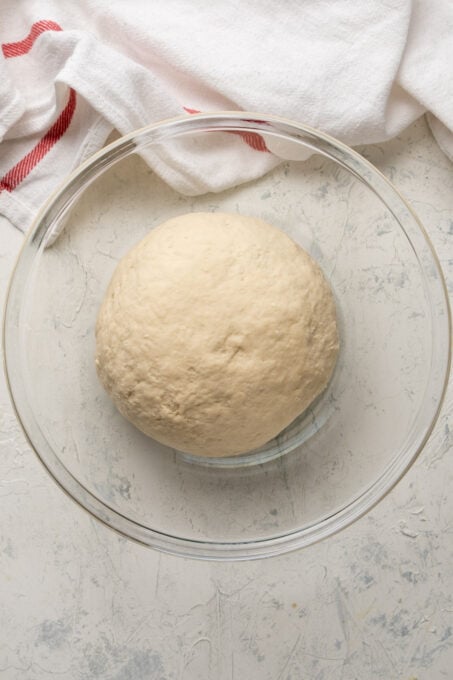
[(215, 332)]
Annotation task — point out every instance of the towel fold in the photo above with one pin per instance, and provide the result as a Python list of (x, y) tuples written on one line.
[(71, 72)]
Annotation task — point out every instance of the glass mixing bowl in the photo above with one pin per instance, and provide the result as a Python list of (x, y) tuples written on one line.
[(344, 454)]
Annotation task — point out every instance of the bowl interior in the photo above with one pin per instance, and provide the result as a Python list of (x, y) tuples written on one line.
[(366, 427)]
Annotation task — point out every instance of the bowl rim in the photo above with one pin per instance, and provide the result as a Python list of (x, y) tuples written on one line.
[(130, 528)]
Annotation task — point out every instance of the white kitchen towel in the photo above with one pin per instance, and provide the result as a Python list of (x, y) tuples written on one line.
[(70, 72)]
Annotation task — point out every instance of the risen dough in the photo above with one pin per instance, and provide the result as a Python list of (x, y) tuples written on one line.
[(216, 331)]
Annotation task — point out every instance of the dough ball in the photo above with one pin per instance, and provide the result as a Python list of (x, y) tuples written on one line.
[(215, 332)]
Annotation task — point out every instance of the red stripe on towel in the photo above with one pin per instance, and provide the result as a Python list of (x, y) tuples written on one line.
[(18, 172), (253, 139), (16, 49)]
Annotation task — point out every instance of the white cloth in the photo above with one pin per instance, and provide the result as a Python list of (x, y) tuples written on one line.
[(361, 71)]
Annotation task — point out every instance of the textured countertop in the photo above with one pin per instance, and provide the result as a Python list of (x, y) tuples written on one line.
[(376, 601)]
